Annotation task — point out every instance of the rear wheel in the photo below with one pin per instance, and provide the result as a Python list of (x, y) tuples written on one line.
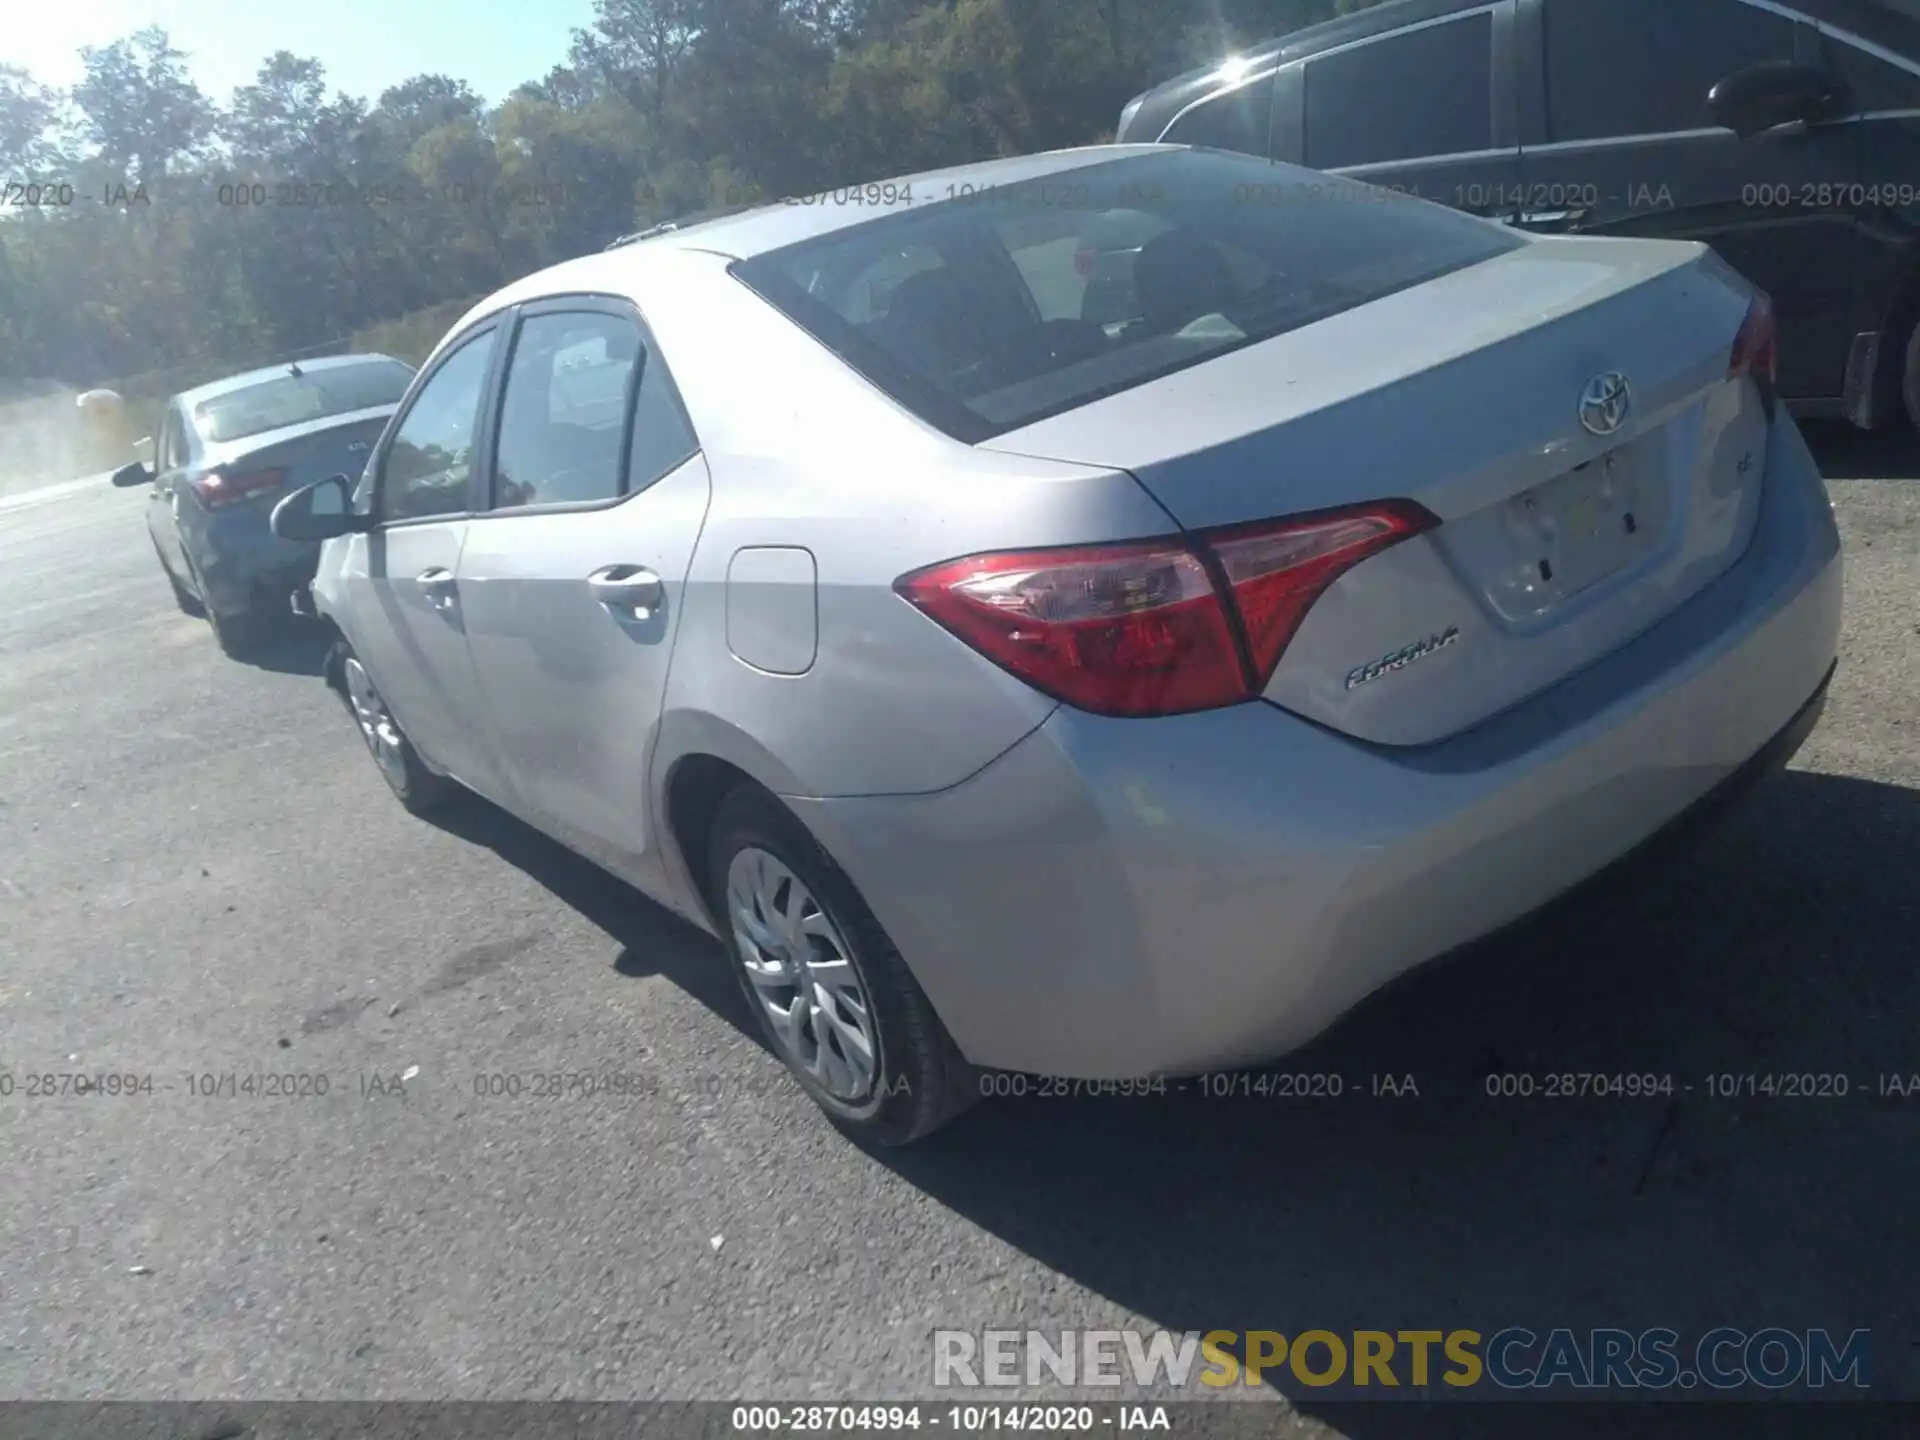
[(834, 999), (400, 765)]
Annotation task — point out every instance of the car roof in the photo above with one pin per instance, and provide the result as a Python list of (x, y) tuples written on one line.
[(229, 384)]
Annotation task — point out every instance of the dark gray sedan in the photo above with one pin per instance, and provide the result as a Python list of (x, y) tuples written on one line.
[(227, 452)]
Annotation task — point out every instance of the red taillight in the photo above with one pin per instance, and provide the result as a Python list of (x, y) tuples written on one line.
[(1115, 629), (1143, 628), (1756, 348), (1278, 570), (220, 488)]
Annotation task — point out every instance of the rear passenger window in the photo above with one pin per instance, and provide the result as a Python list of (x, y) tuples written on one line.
[(663, 440), (1235, 120), (1423, 92), (1644, 67)]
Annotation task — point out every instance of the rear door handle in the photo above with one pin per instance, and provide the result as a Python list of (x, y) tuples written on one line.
[(436, 583), (631, 591)]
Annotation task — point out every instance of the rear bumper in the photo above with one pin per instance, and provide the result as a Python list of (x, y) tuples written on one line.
[(1116, 898), (243, 566)]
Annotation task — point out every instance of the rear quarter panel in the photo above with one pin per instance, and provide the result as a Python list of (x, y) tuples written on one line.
[(805, 454)]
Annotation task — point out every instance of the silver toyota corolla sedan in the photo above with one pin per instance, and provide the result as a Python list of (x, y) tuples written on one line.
[(1107, 698)]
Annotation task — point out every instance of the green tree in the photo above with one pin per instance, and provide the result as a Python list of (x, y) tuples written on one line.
[(29, 113), (137, 107)]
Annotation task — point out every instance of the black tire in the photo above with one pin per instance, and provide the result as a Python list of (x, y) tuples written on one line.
[(921, 1080), (413, 783)]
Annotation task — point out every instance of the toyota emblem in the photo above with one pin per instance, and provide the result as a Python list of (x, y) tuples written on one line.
[(1603, 404)]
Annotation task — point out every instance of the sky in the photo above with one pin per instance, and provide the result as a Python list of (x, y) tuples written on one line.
[(366, 45)]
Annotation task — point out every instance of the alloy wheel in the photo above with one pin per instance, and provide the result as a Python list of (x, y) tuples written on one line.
[(376, 725), (803, 975)]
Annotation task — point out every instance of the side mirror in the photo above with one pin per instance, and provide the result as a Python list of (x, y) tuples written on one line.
[(318, 511), (128, 476), (1775, 92)]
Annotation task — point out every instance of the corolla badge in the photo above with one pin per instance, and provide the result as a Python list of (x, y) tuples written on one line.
[(1401, 658), (1604, 403)]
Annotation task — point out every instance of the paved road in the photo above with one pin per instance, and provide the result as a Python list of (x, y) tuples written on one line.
[(200, 872)]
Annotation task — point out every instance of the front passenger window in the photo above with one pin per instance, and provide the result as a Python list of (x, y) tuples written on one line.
[(428, 467)]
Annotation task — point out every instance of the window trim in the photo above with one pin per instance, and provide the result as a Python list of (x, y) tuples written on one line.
[(1654, 137), (1487, 8), (482, 455), (589, 302), (1449, 157), (1267, 77), (1491, 10)]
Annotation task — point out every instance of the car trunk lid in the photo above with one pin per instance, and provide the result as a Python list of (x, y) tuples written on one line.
[(314, 450), (1465, 395)]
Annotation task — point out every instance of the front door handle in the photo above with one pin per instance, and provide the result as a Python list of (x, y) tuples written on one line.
[(632, 592), (436, 583)]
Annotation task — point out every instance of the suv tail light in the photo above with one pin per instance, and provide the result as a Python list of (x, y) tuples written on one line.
[(1756, 349), (218, 489), (1155, 627)]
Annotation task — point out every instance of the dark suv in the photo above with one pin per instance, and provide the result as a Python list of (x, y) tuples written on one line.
[(1786, 135)]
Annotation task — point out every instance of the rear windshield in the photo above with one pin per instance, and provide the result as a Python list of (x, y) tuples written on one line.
[(295, 399), (997, 308)]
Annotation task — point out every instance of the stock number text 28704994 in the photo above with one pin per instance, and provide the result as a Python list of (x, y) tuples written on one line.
[(966, 1419)]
